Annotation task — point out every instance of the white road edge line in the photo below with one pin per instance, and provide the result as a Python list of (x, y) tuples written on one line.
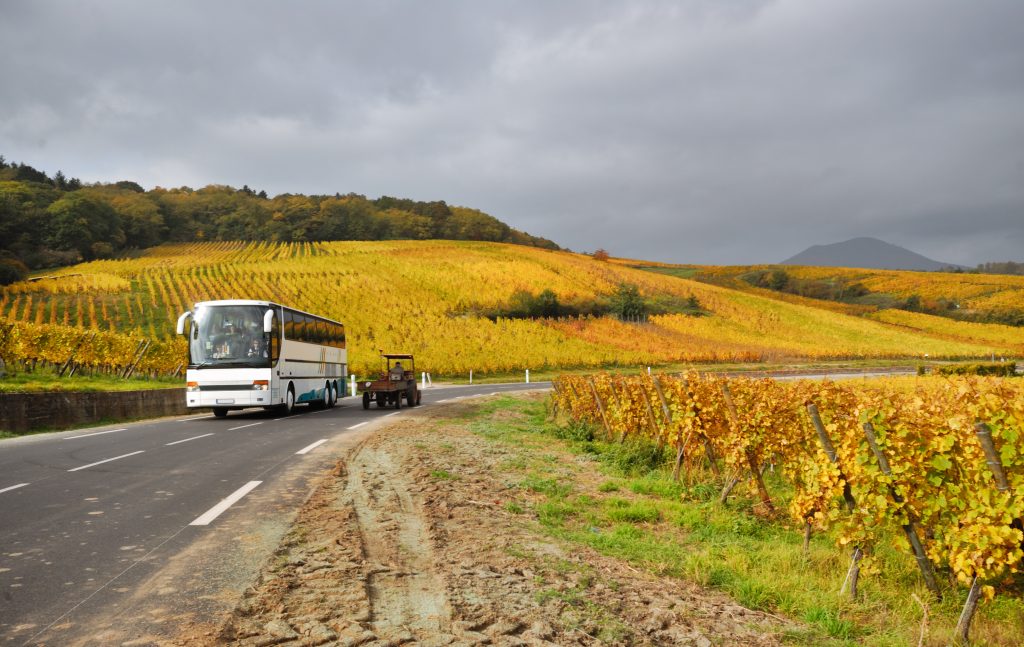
[(75, 469), (440, 401), (244, 426), (215, 511), (306, 450), (194, 418), (393, 414), (97, 433), (359, 425), (13, 487), (188, 439)]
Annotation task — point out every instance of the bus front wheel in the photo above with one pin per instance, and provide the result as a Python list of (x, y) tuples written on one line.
[(220, 412)]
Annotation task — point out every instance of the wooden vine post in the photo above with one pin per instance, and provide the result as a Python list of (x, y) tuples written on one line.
[(995, 465), (708, 449), (618, 408), (852, 573), (600, 408), (909, 528), (652, 424), (755, 471)]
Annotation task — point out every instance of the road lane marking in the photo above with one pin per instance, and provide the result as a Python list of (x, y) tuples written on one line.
[(202, 417), (393, 414), (244, 426), (359, 425), (13, 487), (188, 439), (75, 469), (440, 401), (306, 450), (217, 510), (93, 434)]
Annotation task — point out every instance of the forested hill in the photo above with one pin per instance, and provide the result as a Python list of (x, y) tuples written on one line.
[(50, 221)]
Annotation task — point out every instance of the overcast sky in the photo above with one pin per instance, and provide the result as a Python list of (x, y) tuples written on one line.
[(716, 131)]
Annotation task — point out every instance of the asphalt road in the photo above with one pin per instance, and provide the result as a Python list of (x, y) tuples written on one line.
[(90, 518)]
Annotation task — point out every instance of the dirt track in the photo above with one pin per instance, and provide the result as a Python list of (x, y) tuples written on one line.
[(409, 542)]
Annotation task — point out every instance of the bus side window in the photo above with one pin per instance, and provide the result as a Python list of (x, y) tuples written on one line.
[(289, 324), (275, 340)]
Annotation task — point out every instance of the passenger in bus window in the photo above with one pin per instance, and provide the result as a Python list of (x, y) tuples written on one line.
[(257, 349)]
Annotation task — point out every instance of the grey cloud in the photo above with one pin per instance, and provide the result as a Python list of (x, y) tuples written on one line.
[(714, 132)]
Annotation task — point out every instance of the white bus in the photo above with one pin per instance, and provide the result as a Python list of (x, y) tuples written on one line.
[(245, 353)]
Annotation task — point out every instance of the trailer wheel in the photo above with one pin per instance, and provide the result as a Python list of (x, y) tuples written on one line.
[(366, 399), (398, 399), (410, 396)]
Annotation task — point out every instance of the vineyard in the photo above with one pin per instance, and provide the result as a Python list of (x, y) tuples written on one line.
[(966, 291), (939, 462), (431, 298)]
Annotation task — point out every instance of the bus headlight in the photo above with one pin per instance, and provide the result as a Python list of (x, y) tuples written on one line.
[(192, 386), (260, 385)]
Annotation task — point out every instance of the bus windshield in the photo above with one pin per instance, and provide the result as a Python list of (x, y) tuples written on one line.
[(229, 336)]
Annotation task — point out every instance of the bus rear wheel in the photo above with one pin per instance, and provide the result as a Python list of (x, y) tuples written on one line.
[(289, 401), (220, 412)]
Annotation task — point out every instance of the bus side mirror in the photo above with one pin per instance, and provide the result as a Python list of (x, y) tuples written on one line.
[(268, 321), (185, 316)]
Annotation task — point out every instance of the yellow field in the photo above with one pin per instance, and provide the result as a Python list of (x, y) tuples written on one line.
[(422, 296)]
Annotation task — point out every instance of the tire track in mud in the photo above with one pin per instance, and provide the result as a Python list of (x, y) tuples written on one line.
[(403, 589)]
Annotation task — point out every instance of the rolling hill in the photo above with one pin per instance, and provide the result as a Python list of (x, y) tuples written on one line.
[(430, 298)]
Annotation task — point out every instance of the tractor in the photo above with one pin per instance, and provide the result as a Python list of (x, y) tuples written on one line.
[(395, 382)]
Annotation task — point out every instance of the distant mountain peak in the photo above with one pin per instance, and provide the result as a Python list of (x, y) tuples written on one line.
[(865, 252)]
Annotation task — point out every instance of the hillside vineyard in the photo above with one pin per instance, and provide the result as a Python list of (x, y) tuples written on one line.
[(431, 298)]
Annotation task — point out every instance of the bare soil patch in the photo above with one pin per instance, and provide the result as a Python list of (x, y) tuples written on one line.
[(414, 539)]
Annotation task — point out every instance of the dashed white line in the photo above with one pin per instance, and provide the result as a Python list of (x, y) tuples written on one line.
[(188, 439), (216, 510), (75, 469), (244, 426), (306, 450), (13, 487), (97, 433), (359, 425)]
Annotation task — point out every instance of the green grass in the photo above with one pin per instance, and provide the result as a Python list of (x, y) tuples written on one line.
[(638, 514), (40, 381)]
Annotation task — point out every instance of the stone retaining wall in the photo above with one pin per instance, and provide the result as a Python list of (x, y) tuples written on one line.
[(22, 412)]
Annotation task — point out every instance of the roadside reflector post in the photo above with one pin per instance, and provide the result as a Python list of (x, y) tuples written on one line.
[(353, 388), (470, 376), (527, 376), (423, 378)]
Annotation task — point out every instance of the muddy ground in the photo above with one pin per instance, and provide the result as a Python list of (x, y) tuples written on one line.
[(423, 535)]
